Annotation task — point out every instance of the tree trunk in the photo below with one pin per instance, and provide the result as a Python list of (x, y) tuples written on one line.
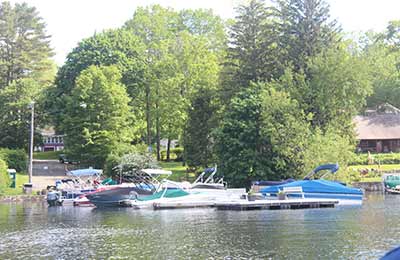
[(168, 149), (158, 132), (148, 121)]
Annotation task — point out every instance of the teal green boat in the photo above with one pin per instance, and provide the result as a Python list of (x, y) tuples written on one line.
[(168, 193), (391, 181)]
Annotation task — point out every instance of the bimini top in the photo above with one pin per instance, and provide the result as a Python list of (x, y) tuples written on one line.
[(314, 186), (156, 172), (85, 172), (330, 167)]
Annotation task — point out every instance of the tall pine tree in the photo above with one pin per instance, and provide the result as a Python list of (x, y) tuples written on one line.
[(305, 30), (24, 44)]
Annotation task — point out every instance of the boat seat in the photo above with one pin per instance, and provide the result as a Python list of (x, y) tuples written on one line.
[(293, 190)]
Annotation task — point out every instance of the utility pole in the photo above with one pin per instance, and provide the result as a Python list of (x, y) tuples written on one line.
[(32, 107)]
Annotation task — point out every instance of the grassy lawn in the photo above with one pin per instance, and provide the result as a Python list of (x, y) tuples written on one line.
[(46, 155), (383, 167), (21, 179), (374, 171), (178, 171)]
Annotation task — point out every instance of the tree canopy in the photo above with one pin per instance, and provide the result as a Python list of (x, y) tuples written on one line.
[(98, 117)]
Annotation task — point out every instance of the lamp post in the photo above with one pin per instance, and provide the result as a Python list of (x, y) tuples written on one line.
[(32, 107)]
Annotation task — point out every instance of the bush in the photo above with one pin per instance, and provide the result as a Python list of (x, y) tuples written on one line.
[(4, 178), (380, 158), (178, 151), (133, 162), (176, 154), (15, 159), (114, 158)]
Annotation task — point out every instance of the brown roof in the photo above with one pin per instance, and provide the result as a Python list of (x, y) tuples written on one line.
[(378, 127)]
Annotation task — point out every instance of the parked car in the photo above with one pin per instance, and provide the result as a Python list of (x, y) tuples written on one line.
[(62, 158)]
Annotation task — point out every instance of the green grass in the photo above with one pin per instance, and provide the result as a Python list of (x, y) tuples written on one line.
[(374, 173), (371, 179), (21, 179), (46, 155), (383, 167), (178, 171)]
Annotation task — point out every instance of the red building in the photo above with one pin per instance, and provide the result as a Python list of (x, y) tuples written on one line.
[(51, 141)]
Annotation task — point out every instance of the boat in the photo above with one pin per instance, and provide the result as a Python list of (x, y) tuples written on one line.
[(178, 194), (393, 254), (318, 188), (213, 187), (80, 182), (391, 182), (135, 185)]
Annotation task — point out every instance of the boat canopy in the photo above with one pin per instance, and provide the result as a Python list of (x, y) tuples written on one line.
[(157, 172), (314, 186), (330, 167), (85, 172)]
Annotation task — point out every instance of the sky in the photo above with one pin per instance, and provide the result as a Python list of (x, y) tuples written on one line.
[(70, 21)]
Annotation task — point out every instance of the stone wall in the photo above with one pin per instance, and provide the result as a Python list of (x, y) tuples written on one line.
[(369, 186)]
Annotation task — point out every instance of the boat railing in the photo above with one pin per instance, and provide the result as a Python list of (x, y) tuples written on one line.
[(210, 179)]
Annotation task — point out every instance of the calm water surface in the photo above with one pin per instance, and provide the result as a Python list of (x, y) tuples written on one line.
[(34, 231)]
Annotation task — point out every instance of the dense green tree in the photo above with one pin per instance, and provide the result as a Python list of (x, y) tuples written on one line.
[(382, 58), (15, 114), (180, 58), (253, 52), (335, 90), (238, 138), (24, 44), (305, 30), (285, 131), (98, 117), (262, 136), (113, 47), (201, 122), (327, 147), (205, 23)]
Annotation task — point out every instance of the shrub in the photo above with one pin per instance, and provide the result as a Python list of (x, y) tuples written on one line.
[(178, 151), (4, 178), (380, 158), (114, 158), (15, 159), (133, 162), (176, 154)]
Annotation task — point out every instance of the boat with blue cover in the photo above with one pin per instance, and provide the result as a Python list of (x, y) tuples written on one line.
[(318, 188)]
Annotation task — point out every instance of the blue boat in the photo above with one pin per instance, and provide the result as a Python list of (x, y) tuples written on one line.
[(322, 189)]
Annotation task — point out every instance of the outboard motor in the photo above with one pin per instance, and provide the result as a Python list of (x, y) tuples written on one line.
[(54, 198)]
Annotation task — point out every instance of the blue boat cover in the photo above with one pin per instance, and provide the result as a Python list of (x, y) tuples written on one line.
[(85, 172), (314, 186), (393, 254)]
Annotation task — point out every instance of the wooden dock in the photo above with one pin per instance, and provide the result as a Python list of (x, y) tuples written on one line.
[(249, 205), (276, 204), (183, 204)]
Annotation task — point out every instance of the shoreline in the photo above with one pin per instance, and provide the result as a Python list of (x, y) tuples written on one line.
[(22, 198)]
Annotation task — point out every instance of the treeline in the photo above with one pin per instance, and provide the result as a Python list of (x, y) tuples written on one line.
[(267, 95)]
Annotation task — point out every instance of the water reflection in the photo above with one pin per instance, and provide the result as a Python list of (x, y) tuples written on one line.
[(33, 231)]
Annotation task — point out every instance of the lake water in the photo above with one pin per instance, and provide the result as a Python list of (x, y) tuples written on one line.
[(32, 231)]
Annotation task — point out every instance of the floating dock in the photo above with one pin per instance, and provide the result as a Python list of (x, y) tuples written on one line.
[(249, 205), (183, 204), (276, 204)]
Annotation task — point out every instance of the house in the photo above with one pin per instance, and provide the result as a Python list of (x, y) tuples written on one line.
[(378, 130), (51, 141)]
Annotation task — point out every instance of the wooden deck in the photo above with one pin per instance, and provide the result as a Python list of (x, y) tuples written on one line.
[(183, 204), (249, 205), (276, 204)]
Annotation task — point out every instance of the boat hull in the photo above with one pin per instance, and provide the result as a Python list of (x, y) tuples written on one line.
[(114, 197)]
